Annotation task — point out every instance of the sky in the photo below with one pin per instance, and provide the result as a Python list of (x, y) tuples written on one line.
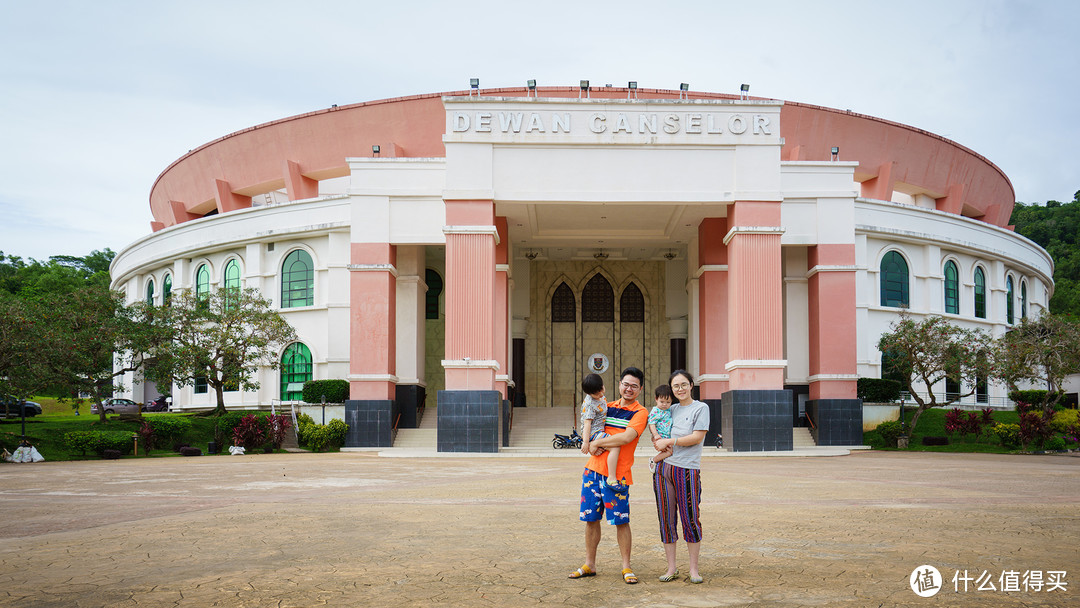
[(98, 98)]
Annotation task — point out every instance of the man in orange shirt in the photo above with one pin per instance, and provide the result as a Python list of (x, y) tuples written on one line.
[(626, 420)]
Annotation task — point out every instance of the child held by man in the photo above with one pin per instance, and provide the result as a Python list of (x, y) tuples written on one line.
[(593, 419), (660, 421)]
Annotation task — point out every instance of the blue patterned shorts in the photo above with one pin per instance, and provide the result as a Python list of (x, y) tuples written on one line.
[(597, 497)]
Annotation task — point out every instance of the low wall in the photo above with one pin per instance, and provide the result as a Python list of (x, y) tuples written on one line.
[(874, 414)]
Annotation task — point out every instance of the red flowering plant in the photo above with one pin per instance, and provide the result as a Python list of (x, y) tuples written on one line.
[(251, 432), (279, 427)]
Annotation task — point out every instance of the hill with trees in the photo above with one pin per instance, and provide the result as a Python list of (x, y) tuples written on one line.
[(1055, 227)]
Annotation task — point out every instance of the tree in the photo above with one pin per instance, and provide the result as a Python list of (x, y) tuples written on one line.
[(22, 368), (223, 337), (1041, 352), (930, 351), (1053, 227)]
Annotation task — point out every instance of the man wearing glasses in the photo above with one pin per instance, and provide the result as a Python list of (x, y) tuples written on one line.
[(626, 420)]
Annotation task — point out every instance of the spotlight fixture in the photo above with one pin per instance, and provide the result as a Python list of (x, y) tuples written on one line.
[(375, 150), (683, 88), (532, 88), (584, 89), (745, 88), (474, 85), (631, 88), (835, 153)]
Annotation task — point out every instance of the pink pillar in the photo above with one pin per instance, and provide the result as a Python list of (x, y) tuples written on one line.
[(297, 186), (471, 239), (227, 200), (502, 305), (833, 365), (373, 301), (755, 297), (712, 308)]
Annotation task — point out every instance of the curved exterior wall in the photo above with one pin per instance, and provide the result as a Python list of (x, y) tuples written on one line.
[(733, 243)]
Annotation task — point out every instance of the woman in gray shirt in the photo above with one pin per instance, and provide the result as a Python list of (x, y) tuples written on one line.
[(677, 479)]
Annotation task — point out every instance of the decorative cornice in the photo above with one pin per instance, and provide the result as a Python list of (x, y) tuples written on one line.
[(373, 268), (777, 230), (470, 364), (710, 268), (473, 230), (754, 363)]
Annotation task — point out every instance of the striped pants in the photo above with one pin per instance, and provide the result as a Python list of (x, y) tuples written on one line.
[(678, 494)]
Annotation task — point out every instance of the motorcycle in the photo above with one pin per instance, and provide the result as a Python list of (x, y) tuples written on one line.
[(573, 440)]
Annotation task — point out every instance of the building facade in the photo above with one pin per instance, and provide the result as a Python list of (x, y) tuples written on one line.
[(471, 248)]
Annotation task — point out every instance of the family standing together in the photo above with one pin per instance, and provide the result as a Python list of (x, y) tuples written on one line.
[(610, 432)]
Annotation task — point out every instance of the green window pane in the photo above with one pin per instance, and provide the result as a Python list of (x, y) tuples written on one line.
[(894, 280), (232, 282), (150, 293), (166, 290), (952, 288), (980, 293), (1023, 300), (295, 371), (202, 284), (1009, 300), (200, 384), (297, 280)]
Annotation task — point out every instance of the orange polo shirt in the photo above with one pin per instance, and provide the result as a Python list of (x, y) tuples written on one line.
[(620, 418)]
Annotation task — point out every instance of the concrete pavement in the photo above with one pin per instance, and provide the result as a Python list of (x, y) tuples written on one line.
[(353, 529)]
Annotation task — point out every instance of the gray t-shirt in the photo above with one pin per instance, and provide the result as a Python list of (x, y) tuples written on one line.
[(685, 419)]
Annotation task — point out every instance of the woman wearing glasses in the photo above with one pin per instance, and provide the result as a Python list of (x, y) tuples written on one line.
[(677, 479)]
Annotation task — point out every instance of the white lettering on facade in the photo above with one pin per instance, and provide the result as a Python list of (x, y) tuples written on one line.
[(460, 122), (736, 124), (483, 122), (693, 123), (535, 124), (621, 124), (761, 125), (710, 125), (596, 123), (510, 120), (647, 121), (671, 124), (560, 122)]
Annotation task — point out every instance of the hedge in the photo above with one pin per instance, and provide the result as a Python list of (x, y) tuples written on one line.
[(878, 390), (99, 441), (335, 391)]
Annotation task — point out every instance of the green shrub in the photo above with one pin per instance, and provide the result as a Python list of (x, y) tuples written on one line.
[(1055, 443), (336, 430), (1062, 420), (889, 432), (1008, 434), (99, 441), (169, 429), (1032, 397), (319, 437), (335, 391), (878, 390)]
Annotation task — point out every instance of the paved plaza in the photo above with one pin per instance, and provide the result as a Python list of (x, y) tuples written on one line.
[(354, 529)]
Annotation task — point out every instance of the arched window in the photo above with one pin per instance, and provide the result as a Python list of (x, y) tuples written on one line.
[(166, 290), (297, 280), (1009, 300), (434, 290), (1023, 299), (202, 285), (295, 371), (632, 305), (231, 282), (894, 280), (150, 292), (563, 306), (952, 288), (598, 301), (980, 293)]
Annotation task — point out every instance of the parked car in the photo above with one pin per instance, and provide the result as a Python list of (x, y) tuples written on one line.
[(161, 404), (29, 409), (115, 406)]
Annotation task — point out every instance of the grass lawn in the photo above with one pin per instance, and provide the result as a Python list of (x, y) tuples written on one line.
[(932, 424)]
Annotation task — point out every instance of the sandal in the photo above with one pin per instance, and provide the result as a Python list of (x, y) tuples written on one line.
[(697, 580), (582, 572), (629, 577), (667, 578)]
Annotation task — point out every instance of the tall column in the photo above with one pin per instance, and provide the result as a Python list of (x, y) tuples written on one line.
[(470, 410), (372, 303), (410, 333), (502, 306), (471, 238), (755, 297), (831, 301), (712, 278)]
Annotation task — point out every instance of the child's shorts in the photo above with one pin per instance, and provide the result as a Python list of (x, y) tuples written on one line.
[(598, 433), (597, 497)]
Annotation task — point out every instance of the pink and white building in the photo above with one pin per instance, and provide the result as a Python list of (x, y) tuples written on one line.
[(471, 249)]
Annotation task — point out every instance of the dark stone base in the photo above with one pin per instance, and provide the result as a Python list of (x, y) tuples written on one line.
[(507, 414), (716, 420), (836, 421), (757, 420), (469, 421), (371, 423), (407, 398)]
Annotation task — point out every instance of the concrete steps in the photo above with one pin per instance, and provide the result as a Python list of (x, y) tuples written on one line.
[(423, 437), (802, 438)]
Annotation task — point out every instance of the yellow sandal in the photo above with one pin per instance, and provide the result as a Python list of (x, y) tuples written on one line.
[(629, 577), (582, 572)]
